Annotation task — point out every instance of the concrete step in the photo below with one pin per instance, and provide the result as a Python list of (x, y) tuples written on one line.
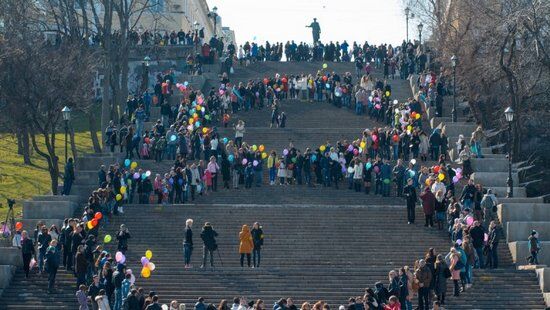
[(524, 212), (489, 179)]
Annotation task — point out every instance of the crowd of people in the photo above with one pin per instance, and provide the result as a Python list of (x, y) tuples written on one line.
[(390, 160)]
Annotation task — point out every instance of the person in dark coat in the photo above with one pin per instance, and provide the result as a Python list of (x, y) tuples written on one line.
[(188, 243), (68, 178), (27, 251), (410, 194), (81, 266), (258, 240), (477, 234), (122, 236), (428, 204), (208, 236), (403, 286), (441, 274), (93, 291), (226, 170)]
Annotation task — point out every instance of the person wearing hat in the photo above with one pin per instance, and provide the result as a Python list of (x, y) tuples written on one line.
[(534, 248), (208, 236)]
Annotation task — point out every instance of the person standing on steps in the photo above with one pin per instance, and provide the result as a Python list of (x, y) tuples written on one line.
[(239, 133), (442, 273), (246, 244), (428, 205), (424, 276), (410, 194), (188, 243), (258, 240), (208, 236), (51, 262), (27, 251), (534, 248), (492, 245), (68, 177), (477, 234), (122, 236)]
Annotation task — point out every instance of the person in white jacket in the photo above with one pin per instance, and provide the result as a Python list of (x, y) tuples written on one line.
[(357, 174)]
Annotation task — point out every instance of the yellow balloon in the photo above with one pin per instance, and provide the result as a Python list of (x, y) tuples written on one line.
[(362, 144), (325, 66), (118, 197), (264, 155), (145, 272), (148, 254), (204, 130), (322, 148), (417, 116), (428, 182), (254, 147), (123, 189), (410, 128), (441, 177), (133, 165), (89, 225)]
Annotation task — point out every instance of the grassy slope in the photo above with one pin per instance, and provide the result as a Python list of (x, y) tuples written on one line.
[(20, 181)]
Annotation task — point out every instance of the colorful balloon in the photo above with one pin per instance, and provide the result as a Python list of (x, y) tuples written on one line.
[(148, 254), (145, 272), (133, 165), (18, 226), (107, 238)]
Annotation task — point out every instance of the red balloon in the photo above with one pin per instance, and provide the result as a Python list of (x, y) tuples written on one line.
[(436, 169), (395, 138), (266, 81), (94, 222), (325, 78), (284, 80), (98, 216), (18, 226)]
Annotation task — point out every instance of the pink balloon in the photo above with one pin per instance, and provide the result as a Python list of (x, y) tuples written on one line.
[(374, 138), (377, 106), (376, 169), (355, 152), (469, 220), (245, 161), (120, 258)]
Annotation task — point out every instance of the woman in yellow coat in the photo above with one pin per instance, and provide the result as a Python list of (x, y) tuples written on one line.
[(246, 245)]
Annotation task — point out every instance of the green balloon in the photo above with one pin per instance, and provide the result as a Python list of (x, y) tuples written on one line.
[(107, 238), (387, 181)]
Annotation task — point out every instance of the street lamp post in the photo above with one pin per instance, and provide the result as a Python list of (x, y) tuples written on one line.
[(145, 72), (66, 112), (420, 26), (454, 61), (509, 114)]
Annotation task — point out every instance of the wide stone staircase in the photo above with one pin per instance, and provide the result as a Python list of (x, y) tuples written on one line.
[(321, 244)]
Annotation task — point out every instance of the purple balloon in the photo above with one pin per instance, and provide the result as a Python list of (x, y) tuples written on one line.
[(350, 148), (144, 261), (255, 163), (120, 258), (455, 179), (245, 161), (136, 175), (285, 152)]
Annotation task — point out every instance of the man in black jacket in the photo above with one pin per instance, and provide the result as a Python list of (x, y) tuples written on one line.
[(93, 291), (122, 237), (132, 302), (477, 234), (410, 194), (208, 236), (258, 240)]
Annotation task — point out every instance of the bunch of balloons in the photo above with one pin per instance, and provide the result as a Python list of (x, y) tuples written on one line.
[(148, 266), (95, 221)]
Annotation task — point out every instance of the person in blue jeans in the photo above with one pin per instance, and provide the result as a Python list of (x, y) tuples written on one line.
[(188, 243)]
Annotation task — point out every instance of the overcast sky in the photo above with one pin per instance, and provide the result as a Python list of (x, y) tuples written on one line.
[(377, 21)]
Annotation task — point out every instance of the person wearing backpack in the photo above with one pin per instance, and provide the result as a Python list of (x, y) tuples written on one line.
[(51, 263), (442, 273)]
